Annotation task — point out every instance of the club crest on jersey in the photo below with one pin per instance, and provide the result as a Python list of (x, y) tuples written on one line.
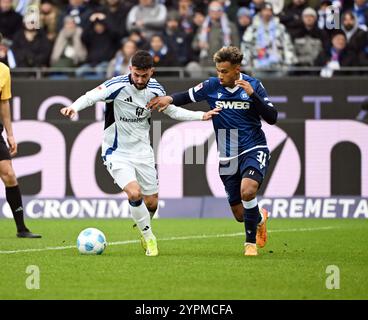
[(244, 95), (237, 105), (139, 112)]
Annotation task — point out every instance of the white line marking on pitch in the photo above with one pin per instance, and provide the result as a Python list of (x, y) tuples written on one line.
[(116, 243)]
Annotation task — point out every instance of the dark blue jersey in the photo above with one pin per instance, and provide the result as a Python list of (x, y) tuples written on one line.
[(238, 125)]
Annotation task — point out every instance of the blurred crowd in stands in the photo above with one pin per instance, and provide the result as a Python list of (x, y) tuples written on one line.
[(98, 37)]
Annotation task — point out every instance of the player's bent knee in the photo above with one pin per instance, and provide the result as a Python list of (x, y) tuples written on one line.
[(8, 177), (134, 194), (248, 194), (249, 189)]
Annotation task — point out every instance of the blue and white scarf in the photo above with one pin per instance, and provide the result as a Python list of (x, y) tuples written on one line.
[(268, 43)]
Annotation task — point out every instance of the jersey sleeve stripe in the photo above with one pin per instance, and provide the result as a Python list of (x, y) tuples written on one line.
[(190, 91), (116, 79), (154, 82), (112, 80), (108, 84), (115, 82)]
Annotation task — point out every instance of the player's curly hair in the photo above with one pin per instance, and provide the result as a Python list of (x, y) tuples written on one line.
[(142, 60), (228, 54)]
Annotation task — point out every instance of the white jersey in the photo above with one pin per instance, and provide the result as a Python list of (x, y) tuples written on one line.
[(127, 119)]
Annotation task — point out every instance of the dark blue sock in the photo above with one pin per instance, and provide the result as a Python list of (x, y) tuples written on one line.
[(251, 219)]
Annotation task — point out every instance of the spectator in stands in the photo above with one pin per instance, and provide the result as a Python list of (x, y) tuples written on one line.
[(148, 16), (137, 37), (120, 63), (79, 11), (361, 11), (337, 56), (310, 40), (186, 13), (49, 15), (159, 50), (10, 21), (266, 43), (244, 20), (355, 36), (31, 48), (6, 54), (116, 13), (191, 19), (291, 17), (100, 41), (198, 20), (217, 31), (177, 40), (68, 50)]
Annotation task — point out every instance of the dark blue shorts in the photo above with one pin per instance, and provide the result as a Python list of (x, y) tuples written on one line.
[(252, 164)]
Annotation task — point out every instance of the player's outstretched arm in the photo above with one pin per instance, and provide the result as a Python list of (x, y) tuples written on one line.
[(178, 99), (101, 93), (182, 114)]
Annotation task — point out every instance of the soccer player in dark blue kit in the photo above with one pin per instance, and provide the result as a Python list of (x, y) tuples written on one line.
[(242, 146)]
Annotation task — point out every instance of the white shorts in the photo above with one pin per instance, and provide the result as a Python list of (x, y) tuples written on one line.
[(126, 170)]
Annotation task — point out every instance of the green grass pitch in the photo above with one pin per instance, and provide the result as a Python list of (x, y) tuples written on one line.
[(199, 259)]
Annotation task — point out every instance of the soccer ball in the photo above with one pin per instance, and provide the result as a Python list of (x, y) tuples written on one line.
[(91, 241)]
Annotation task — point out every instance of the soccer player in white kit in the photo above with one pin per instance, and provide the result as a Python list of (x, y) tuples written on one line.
[(126, 149)]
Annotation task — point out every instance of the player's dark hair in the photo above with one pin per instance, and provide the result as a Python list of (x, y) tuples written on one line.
[(142, 60), (228, 54), (1, 37)]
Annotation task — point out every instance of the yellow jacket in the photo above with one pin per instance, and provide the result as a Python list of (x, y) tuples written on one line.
[(5, 82)]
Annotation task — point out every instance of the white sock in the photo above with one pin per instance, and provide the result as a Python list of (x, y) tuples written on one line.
[(142, 218)]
